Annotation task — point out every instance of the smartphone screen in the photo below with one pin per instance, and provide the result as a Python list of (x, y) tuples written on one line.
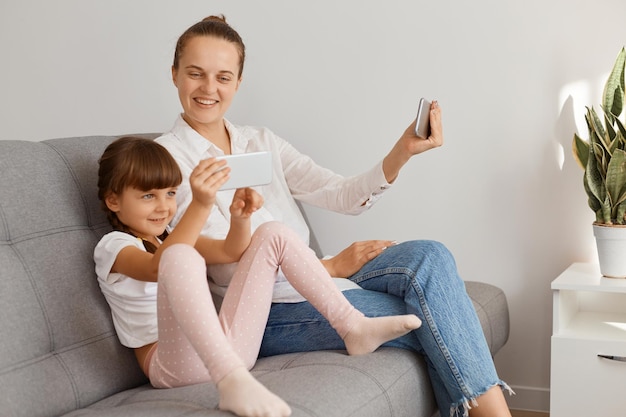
[(248, 169)]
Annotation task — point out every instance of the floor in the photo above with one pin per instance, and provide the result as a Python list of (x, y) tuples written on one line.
[(519, 413)]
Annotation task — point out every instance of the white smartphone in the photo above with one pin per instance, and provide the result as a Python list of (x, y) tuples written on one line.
[(422, 123), (248, 169)]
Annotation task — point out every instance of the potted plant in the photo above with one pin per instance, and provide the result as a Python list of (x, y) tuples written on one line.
[(603, 158)]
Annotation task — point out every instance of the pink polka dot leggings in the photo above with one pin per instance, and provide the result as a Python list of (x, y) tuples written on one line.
[(198, 345)]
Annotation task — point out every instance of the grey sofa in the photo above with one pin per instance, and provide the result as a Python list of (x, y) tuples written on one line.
[(59, 354)]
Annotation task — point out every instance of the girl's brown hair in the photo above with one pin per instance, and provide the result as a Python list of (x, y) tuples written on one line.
[(134, 162), (214, 26)]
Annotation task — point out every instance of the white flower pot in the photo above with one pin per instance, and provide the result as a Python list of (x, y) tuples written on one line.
[(611, 244)]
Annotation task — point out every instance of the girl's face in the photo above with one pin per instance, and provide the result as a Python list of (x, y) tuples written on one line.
[(146, 213), (207, 80)]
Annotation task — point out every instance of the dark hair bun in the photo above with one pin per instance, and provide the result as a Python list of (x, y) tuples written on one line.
[(215, 18)]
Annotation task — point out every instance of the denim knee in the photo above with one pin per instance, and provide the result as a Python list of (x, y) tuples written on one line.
[(426, 251)]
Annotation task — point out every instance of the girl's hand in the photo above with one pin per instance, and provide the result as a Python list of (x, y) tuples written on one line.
[(245, 202), (206, 179)]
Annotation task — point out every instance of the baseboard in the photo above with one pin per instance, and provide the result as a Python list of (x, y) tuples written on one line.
[(529, 398)]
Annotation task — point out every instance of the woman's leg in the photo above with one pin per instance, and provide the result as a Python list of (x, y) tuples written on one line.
[(424, 275)]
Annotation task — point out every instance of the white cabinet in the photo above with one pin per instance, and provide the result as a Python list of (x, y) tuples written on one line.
[(589, 319)]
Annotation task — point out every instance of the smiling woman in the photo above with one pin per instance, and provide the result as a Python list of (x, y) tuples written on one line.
[(420, 276)]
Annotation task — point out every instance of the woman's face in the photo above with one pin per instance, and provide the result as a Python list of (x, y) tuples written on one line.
[(207, 80)]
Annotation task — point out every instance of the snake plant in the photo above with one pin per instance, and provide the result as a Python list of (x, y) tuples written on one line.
[(603, 156)]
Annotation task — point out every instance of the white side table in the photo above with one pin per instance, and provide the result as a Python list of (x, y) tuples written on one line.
[(589, 319)]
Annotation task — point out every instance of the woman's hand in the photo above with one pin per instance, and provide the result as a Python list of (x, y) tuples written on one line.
[(206, 179), (245, 202), (350, 260), (410, 144), (413, 144)]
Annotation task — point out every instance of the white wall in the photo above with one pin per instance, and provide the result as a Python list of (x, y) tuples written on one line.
[(341, 80)]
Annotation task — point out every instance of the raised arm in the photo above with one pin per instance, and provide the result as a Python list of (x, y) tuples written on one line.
[(410, 144), (205, 180)]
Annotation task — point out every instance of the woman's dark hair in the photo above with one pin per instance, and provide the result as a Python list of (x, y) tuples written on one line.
[(134, 162), (214, 26)]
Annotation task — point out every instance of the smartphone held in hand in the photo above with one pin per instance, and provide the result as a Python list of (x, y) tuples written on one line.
[(248, 169), (422, 123)]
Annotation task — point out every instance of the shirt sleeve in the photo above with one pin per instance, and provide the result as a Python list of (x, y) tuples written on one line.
[(321, 187), (106, 253)]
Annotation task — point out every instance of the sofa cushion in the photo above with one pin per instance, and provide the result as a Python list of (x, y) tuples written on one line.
[(492, 309), (388, 382)]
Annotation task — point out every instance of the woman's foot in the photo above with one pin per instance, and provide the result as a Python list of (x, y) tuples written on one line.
[(243, 395), (368, 333)]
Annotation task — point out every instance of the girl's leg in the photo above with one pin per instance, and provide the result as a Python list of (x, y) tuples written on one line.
[(299, 327), (424, 275), (192, 346), (188, 346), (274, 245)]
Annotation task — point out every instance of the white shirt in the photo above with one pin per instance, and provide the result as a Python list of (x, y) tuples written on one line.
[(294, 176), (133, 302)]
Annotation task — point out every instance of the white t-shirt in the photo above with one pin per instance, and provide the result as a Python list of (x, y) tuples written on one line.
[(294, 176), (133, 302)]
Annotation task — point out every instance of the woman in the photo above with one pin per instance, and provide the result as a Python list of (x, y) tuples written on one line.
[(417, 277)]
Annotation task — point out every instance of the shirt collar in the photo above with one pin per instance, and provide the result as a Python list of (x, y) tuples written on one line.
[(201, 146)]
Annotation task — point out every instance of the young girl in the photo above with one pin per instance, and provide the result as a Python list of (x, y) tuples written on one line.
[(157, 288)]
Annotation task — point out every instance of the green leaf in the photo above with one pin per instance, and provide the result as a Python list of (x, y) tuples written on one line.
[(609, 120), (580, 148), (620, 217), (621, 129), (597, 152), (594, 179), (593, 202), (596, 128), (606, 213), (616, 177), (611, 97)]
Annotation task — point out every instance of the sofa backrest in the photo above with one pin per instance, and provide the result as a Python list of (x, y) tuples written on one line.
[(58, 347)]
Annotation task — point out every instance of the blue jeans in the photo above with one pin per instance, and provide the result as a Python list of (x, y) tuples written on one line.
[(417, 277)]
